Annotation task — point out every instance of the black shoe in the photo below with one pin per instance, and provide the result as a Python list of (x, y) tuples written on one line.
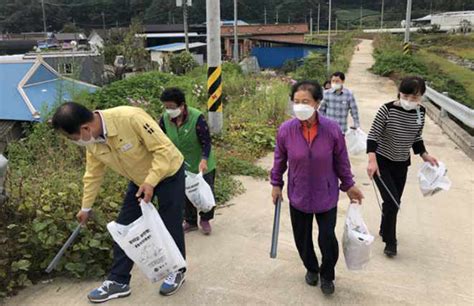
[(312, 278), (327, 287), (390, 249)]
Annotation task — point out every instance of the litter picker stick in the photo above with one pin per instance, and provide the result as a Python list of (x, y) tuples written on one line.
[(389, 192), (60, 254), (276, 229)]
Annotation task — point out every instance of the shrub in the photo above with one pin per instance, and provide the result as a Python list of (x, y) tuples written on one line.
[(182, 62), (395, 61), (289, 66), (313, 68)]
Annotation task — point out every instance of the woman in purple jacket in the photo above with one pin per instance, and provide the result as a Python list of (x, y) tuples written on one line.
[(313, 150)]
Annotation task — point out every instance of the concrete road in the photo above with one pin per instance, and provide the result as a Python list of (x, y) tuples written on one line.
[(232, 266)]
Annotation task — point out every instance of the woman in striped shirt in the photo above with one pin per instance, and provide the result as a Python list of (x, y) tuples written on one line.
[(396, 129)]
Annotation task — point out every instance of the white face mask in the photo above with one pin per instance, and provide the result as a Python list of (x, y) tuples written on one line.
[(303, 111), (173, 113), (336, 86), (407, 105), (84, 143)]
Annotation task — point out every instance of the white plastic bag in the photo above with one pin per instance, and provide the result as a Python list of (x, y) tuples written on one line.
[(148, 243), (356, 141), (433, 179), (356, 240), (198, 192)]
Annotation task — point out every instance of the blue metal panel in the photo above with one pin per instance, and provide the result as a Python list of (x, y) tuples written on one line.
[(41, 95), (275, 57), (42, 74), (12, 105), (164, 47), (45, 96)]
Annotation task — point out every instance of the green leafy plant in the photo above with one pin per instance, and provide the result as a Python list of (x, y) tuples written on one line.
[(182, 62)]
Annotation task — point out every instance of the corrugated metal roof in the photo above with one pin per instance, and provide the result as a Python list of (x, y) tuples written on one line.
[(70, 36), (12, 105), (175, 47), (161, 35), (42, 74), (44, 96), (41, 89)]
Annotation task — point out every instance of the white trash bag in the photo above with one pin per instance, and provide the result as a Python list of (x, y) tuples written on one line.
[(198, 192), (356, 240), (356, 141), (433, 179), (148, 243)]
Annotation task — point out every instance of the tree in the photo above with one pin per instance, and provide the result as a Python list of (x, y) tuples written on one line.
[(26, 15), (70, 28), (130, 46), (182, 62)]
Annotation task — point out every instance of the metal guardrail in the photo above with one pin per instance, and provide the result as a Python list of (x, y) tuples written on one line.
[(456, 109)]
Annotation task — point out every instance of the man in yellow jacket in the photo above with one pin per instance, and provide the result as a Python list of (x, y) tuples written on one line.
[(128, 140)]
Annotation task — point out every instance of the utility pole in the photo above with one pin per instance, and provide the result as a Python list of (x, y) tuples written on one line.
[(381, 15), (236, 37), (185, 24), (45, 30), (103, 22), (276, 16), (360, 25), (336, 26), (214, 70), (265, 14), (408, 22), (319, 14), (406, 41), (328, 55), (289, 19), (431, 7), (311, 22)]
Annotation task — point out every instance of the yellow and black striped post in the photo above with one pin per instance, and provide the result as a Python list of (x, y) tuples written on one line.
[(214, 89), (214, 101), (406, 48)]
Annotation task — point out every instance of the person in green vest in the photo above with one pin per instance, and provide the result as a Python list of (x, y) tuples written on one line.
[(188, 130)]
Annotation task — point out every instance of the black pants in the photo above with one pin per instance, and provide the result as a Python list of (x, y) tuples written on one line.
[(303, 233), (394, 175), (170, 194), (190, 212)]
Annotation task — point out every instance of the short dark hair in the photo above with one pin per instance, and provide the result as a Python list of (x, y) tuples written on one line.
[(326, 83), (339, 74), (173, 94), (70, 116), (412, 85), (312, 87)]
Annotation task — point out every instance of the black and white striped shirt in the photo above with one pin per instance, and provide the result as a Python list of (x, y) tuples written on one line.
[(395, 131)]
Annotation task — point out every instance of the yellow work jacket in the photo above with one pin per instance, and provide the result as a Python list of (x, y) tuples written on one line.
[(135, 147)]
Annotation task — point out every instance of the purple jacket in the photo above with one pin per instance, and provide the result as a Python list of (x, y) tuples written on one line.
[(314, 169)]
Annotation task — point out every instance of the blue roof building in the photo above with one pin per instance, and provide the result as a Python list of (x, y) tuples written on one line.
[(29, 87), (273, 54)]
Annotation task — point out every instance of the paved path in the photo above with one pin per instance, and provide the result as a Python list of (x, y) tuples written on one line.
[(232, 267)]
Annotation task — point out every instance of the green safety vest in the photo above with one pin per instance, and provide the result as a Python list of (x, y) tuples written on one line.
[(186, 140)]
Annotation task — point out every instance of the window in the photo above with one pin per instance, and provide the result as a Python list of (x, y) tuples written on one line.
[(65, 68)]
